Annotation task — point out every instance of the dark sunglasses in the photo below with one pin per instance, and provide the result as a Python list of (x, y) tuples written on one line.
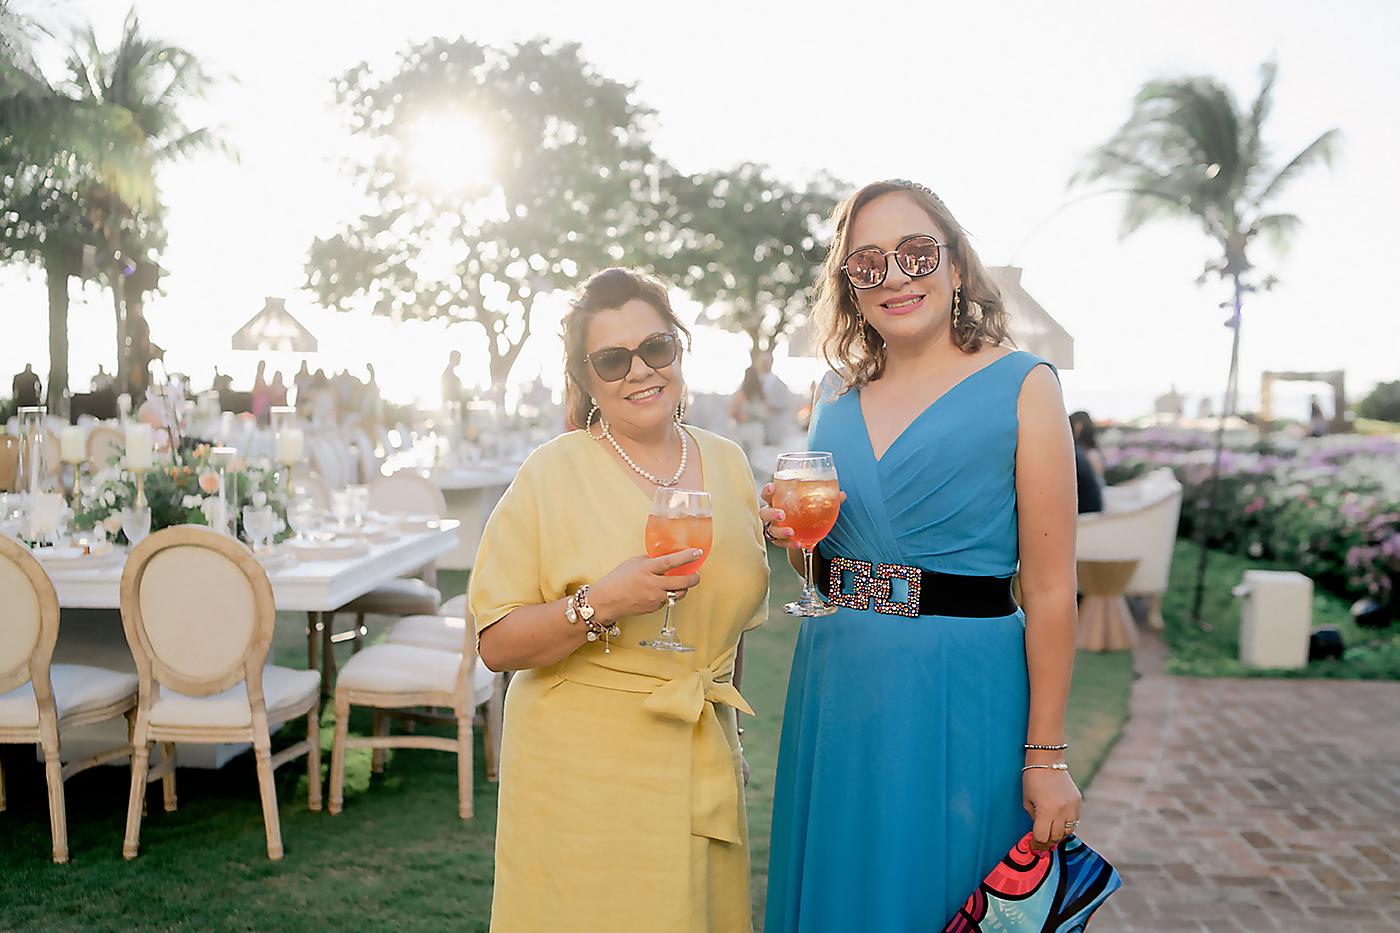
[(917, 255), (614, 363)]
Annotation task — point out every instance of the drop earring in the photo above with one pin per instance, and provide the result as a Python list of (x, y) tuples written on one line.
[(957, 300)]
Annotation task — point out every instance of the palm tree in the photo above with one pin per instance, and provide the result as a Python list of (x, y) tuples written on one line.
[(1188, 151), (146, 83), (49, 145)]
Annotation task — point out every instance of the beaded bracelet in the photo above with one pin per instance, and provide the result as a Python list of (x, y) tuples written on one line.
[(1057, 766), (1030, 746)]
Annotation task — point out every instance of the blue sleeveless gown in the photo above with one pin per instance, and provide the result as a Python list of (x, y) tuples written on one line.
[(899, 771)]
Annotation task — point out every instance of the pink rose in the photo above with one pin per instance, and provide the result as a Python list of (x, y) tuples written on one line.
[(209, 482)]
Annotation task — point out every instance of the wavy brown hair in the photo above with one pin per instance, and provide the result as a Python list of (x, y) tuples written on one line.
[(611, 288), (855, 349)]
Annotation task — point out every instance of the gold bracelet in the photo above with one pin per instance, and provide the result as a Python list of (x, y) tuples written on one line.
[(1057, 766)]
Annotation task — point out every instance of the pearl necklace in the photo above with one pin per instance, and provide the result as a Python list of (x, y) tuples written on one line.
[(654, 480)]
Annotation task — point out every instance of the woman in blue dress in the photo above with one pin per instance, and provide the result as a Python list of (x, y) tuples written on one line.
[(923, 734)]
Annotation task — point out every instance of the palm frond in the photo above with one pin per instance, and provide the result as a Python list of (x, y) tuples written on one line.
[(1252, 144), (1323, 149), (1279, 229)]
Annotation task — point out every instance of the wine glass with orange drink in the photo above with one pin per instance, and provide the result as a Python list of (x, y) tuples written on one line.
[(680, 519), (806, 490)]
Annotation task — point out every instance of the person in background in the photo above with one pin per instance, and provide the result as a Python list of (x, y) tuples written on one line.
[(749, 411), (278, 389), (778, 422), (27, 388), (262, 394), (1317, 421), (103, 381), (302, 383), (370, 400), (451, 382), (1088, 463)]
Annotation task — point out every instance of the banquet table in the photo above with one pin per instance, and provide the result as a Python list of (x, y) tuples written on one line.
[(308, 586), (471, 492), (315, 587)]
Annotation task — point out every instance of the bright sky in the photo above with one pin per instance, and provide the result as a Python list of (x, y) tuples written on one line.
[(990, 104)]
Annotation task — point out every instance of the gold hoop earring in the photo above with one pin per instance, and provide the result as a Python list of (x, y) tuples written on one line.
[(680, 408), (957, 300)]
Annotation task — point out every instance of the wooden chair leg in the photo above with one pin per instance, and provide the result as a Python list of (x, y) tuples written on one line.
[(491, 733), (313, 641), (262, 752), (313, 759), (464, 763), (380, 728), (1154, 612), (342, 723), (136, 803), (167, 754), (58, 817), (327, 654), (357, 642)]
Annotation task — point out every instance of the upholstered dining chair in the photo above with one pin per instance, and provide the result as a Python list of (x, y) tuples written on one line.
[(38, 699), (404, 492), (198, 614), (394, 679), (9, 462), (446, 633), (103, 444)]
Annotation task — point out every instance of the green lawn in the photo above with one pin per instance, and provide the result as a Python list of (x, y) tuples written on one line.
[(397, 857), (1371, 654)]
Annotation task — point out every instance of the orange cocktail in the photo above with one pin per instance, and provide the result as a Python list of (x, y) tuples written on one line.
[(668, 535), (809, 506)]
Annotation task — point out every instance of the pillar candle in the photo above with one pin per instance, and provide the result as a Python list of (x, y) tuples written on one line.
[(140, 451), (73, 444), (291, 445)]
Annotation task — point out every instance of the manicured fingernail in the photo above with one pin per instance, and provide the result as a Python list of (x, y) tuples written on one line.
[(781, 516), (697, 553)]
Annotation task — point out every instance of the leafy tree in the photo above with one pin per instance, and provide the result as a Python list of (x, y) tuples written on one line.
[(1188, 151), (143, 84), (747, 247), (565, 183), (1382, 404)]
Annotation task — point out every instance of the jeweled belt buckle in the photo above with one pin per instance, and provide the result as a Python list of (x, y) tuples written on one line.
[(872, 590)]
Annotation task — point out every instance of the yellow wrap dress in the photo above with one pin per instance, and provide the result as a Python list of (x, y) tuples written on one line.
[(621, 800)]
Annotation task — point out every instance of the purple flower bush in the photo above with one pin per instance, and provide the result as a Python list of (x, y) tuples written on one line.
[(1329, 508)]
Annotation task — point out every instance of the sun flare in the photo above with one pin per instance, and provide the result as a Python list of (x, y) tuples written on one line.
[(450, 152)]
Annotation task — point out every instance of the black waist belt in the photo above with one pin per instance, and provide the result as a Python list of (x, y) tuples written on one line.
[(930, 593)]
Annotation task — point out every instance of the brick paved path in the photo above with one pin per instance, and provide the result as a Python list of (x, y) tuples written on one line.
[(1251, 805)]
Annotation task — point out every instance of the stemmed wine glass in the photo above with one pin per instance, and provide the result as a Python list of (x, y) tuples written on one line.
[(806, 490), (258, 524), (301, 515), (680, 519), (136, 524)]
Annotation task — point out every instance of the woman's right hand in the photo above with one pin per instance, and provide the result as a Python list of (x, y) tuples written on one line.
[(776, 533), (639, 585)]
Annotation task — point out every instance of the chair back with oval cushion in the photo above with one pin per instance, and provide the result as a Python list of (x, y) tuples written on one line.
[(198, 613), (39, 698), (406, 492), (104, 444)]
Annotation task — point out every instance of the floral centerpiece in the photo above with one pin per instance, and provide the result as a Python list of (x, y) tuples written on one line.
[(181, 491)]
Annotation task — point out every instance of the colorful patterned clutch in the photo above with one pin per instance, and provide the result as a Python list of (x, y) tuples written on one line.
[(1056, 892)]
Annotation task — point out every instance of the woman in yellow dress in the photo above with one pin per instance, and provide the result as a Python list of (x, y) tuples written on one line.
[(621, 803)]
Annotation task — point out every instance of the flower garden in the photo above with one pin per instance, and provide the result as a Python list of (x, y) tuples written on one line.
[(1327, 507)]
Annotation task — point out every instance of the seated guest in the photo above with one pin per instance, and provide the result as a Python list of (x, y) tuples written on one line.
[(1088, 463)]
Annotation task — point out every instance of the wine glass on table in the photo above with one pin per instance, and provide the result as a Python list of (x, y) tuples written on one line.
[(680, 520), (806, 490)]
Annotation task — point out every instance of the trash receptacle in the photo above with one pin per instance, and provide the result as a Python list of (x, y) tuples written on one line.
[(1275, 618)]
